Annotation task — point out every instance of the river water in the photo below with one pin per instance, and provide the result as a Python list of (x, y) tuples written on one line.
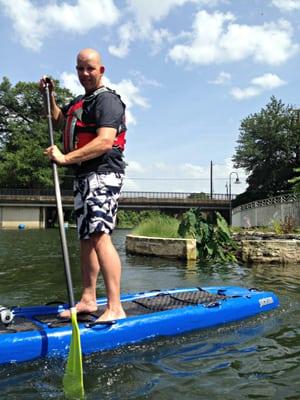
[(254, 359)]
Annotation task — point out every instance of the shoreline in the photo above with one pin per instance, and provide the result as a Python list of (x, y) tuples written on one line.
[(254, 247)]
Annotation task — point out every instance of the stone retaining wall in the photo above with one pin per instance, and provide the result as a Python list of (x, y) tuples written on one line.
[(154, 246), (268, 248), (254, 247)]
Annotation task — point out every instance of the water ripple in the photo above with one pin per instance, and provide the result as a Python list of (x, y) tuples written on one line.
[(255, 359)]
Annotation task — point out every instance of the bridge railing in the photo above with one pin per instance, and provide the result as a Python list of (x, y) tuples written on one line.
[(281, 199), (32, 192), (125, 195), (268, 211), (173, 195)]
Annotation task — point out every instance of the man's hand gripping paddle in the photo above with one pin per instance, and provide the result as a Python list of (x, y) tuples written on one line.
[(73, 377)]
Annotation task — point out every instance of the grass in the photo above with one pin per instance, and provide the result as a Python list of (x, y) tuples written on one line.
[(158, 226)]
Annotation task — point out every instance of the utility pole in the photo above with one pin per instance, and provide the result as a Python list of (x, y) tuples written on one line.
[(211, 179), (230, 195)]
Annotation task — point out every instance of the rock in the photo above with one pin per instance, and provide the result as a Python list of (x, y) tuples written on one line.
[(268, 248), (163, 247)]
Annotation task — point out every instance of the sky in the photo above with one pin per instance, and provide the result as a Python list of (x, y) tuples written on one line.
[(189, 72)]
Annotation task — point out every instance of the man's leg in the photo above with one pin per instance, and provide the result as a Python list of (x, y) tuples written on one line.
[(89, 270), (111, 271), (98, 249)]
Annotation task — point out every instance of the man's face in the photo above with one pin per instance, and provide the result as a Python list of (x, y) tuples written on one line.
[(89, 73)]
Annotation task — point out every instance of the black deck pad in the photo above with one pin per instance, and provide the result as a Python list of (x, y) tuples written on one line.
[(55, 321), (162, 302), (158, 302), (19, 324)]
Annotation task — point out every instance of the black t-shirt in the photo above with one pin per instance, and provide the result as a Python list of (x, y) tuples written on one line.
[(104, 110)]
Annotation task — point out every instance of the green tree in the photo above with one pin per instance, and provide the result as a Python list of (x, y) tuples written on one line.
[(200, 196), (24, 135), (269, 150), (296, 181)]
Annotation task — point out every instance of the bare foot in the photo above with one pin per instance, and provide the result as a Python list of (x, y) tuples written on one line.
[(81, 307), (111, 315)]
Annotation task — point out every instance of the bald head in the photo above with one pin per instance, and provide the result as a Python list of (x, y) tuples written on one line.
[(90, 69), (89, 54)]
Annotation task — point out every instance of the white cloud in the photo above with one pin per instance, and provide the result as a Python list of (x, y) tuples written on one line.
[(194, 171), (246, 93), (27, 22), (161, 166), (217, 38), (129, 93), (134, 167), (186, 177), (130, 185), (160, 37), (287, 5), (268, 81), (127, 33), (146, 12), (32, 24), (144, 81), (83, 16), (70, 81), (221, 79), (258, 85), (144, 15)]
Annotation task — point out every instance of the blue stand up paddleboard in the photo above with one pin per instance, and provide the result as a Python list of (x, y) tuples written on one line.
[(30, 333)]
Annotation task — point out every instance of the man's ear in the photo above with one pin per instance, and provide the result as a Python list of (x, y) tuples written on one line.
[(102, 69)]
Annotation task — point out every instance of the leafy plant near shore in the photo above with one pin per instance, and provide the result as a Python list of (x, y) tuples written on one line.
[(288, 225), (214, 241), (159, 225)]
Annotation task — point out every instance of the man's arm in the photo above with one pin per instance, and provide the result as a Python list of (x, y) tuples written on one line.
[(102, 143), (56, 113)]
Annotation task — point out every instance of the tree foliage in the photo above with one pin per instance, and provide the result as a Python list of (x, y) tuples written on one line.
[(269, 150), (24, 135), (296, 181), (199, 196)]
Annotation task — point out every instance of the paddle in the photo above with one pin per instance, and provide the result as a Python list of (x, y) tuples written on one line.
[(73, 377)]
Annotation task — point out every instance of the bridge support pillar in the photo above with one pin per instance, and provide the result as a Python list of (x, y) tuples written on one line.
[(32, 217)]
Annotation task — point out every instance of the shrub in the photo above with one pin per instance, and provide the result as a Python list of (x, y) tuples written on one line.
[(214, 241), (288, 225), (159, 225), (131, 219)]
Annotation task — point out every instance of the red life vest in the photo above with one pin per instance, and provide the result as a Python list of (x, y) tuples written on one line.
[(78, 133)]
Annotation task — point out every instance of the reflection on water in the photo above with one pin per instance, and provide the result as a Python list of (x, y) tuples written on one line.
[(254, 359)]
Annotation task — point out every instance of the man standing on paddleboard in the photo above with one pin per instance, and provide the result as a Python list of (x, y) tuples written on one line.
[(94, 140)]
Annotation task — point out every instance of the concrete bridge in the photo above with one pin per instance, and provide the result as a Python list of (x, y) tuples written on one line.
[(36, 207)]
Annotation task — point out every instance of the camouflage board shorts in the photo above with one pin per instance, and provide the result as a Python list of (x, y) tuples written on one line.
[(96, 202)]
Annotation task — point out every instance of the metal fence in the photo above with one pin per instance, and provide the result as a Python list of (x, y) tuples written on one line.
[(266, 212), (124, 194)]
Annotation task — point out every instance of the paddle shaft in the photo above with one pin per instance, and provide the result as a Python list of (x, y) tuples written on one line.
[(62, 232)]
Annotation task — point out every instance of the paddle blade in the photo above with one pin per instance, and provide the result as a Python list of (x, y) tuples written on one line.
[(73, 377)]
